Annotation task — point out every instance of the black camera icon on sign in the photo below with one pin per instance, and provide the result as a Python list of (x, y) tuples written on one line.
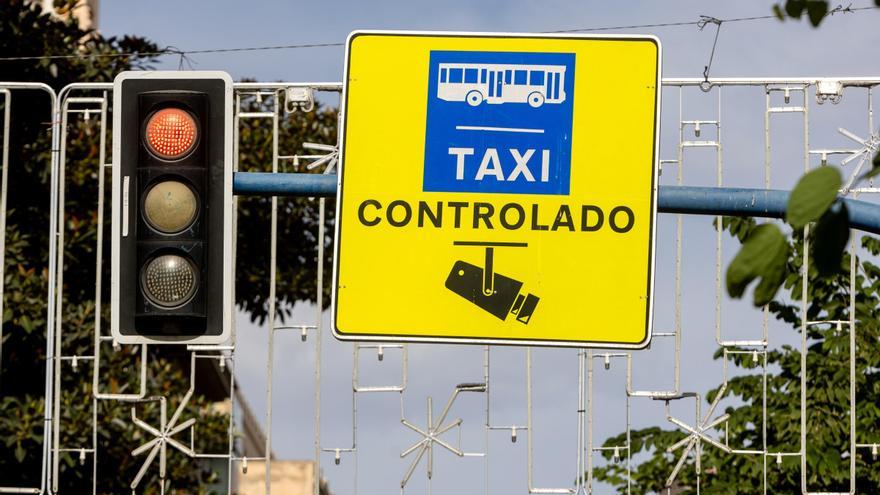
[(497, 294)]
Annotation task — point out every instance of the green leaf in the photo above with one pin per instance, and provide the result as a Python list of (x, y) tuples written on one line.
[(774, 276), (812, 196), (829, 239), (817, 11), (26, 323), (777, 11), (19, 453), (875, 165), (794, 8), (763, 255)]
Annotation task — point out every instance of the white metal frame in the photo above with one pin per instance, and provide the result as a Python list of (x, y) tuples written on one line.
[(57, 359)]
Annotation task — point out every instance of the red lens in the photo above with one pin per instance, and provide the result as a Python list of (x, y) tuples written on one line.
[(171, 133)]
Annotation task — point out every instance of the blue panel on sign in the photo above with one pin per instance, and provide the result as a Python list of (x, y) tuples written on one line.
[(509, 133)]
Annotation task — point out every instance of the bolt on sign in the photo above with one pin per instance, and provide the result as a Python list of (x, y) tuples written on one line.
[(497, 189)]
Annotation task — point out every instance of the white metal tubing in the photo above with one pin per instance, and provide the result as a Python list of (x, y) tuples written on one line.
[(7, 88), (319, 320), (66, 101), (7, 112), (102, 162), (4, 185), (676, 333), (236, 122), (50, 310), (316, 86), (225, 360), (59, 287), (590, 449), (770, 84), (762, 81), (273, 250), (803, 371), (529, 434), (852, 362), (852, 385), (99, 260), (740, 343), (724, 386), (358, 388), (56, 261)]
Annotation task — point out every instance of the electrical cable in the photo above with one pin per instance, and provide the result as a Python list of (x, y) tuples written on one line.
[(171, 51)]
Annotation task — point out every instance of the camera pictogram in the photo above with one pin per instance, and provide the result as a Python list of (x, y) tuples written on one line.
[(497, 294)]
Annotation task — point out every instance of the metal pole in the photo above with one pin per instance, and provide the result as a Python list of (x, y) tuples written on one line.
[(319, 318), (714, 201), (273, 243)]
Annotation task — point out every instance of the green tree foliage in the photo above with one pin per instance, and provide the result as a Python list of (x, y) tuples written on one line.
[(297, 217), (766, 256), (827, 398), (815, 10), (764, 251), (814, 199), (26, 32)]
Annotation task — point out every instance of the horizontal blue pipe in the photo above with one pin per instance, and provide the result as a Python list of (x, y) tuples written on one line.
[(266, 184), (672, 199), (752, 203)]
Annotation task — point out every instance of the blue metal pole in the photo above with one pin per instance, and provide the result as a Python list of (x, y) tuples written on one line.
[(753, 203), (672, 199), (267, 184), (765, 203)]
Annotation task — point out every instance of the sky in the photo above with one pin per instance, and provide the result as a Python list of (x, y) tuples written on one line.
[(845, 45)]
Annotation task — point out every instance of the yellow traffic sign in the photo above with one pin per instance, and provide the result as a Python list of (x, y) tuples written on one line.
[(497, 189)]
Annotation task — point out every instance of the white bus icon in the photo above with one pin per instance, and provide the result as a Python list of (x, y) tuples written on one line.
[(501, 83)]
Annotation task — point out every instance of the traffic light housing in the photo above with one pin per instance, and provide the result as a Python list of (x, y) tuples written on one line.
[(171, 274)]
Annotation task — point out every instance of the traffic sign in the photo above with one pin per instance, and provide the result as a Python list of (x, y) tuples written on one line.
[(497, 188)]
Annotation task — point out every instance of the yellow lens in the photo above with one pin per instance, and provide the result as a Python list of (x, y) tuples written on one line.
[(170, 206)]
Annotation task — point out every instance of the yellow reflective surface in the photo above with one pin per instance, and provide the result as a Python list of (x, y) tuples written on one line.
[(402, 276)]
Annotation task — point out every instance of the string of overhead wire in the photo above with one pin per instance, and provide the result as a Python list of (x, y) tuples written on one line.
[(171, 51), (704, 19)]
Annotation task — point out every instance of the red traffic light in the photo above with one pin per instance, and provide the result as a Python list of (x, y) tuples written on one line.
[(171, 133), (172, 208)]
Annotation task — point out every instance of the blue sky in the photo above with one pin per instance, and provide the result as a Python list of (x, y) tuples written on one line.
[(844, 46), (764, 47)]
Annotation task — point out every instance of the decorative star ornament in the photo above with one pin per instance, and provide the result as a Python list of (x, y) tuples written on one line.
[(162, 437), (431, 434), (869, 148), (696, 434)]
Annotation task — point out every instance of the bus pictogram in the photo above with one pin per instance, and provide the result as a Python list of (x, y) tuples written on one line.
[(499, 122), (501, 83)]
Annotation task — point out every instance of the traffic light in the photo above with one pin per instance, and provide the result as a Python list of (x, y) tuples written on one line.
[(171, 275)]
